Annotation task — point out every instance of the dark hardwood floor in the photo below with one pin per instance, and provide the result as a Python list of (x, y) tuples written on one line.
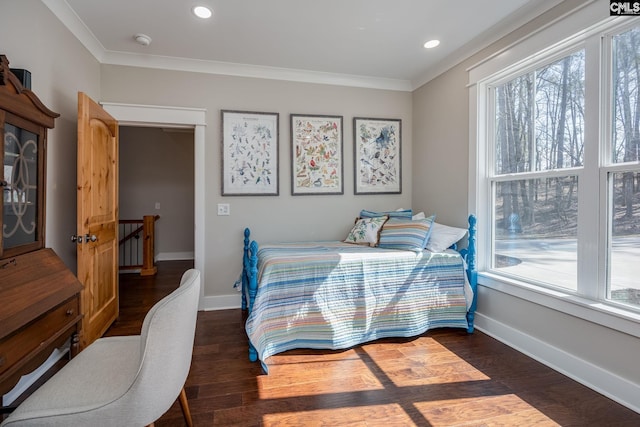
[(442, 378)]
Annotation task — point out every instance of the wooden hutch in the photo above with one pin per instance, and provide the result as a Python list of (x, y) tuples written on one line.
[(39, 296)]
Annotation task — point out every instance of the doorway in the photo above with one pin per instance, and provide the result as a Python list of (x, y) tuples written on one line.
[(156, 172), (175, 118)]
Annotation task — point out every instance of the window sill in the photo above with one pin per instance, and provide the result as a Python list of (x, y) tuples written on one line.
[(598, 312)]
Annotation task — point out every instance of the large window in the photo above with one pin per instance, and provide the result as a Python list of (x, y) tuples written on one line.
[(562, 175)]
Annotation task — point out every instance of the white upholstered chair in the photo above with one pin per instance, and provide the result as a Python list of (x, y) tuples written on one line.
[(123, 380)]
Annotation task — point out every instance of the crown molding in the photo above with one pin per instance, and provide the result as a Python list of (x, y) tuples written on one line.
[(253, 71), (72, 21)]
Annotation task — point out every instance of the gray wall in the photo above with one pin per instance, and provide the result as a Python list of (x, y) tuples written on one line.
[(271, 218), (33, 38), (156, 166), (441, 143), (440, 148)]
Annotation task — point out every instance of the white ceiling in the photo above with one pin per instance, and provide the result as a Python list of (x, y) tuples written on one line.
[(370, 43)]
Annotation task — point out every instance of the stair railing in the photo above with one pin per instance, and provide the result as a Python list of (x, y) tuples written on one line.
[(135, 254)]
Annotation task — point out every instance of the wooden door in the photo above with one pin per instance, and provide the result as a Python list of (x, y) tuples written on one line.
[(97, 218)]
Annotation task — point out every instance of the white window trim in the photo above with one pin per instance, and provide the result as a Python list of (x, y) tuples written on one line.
[(573, 29), (594, 311)]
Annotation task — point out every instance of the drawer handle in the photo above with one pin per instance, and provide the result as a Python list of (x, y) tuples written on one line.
[(3, 360), (70, 312)]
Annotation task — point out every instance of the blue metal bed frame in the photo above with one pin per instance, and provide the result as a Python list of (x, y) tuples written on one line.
[(250, 275)]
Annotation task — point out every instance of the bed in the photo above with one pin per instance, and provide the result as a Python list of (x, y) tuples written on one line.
[(335, 295)]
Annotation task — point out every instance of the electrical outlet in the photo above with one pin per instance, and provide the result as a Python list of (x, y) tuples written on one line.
[(224, 209), (157, 206)]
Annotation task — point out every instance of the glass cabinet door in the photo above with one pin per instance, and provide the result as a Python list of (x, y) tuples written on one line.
[(20, 196)]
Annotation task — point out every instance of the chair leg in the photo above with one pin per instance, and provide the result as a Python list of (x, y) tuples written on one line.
[(185, 407)]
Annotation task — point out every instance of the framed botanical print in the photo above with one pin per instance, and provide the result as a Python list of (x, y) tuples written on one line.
[(316, 155), (377, 156), (250, 153)]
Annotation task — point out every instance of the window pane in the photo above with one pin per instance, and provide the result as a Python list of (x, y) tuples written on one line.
[(514, 151), (535, 230), (626, 66), (624, 268), (20, 196), (540, 118)]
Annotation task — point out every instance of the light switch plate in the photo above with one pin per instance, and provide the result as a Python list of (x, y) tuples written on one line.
[(224, 209)]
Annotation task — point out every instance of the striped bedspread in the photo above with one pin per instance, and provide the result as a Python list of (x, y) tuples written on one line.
[(334, 295)]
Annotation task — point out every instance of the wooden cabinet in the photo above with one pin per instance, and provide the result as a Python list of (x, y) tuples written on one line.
[(24, 121), (39, 296), (40, 311)]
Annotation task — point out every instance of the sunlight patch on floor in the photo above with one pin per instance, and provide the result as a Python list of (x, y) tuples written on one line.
[(364, 416), (422, 365), (320, 377), (488, 410)]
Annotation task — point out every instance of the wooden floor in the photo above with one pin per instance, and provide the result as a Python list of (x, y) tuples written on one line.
[(442, 378)]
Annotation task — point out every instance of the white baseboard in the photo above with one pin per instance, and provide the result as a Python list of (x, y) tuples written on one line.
[(221, 302), (174, 256), (604, 382)]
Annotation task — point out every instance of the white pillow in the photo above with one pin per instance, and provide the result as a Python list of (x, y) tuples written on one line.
[(419, 215), (443, 236)]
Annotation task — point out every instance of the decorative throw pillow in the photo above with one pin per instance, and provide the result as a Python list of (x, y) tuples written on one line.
[(404, 213), (406, 234), (443, 236), (366, 230)]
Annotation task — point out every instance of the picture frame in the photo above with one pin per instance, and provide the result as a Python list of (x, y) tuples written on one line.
[(250, 147), (377, 149), (316, 154)]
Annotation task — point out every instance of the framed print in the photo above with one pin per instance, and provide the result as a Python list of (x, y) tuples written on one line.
[(250, 153), (316, 154), (377, 156)]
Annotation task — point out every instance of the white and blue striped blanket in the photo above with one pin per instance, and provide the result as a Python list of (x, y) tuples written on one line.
[(334, 295)]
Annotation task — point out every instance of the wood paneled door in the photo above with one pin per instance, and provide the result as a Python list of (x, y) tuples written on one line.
[(97, 218)]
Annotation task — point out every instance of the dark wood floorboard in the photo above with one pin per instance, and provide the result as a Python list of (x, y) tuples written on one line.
[(442, 378)]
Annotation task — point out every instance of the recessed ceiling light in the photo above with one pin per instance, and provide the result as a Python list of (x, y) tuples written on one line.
[(431, 44), (202, 12)]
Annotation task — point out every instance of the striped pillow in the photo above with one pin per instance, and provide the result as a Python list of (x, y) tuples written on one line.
[(406, 234)]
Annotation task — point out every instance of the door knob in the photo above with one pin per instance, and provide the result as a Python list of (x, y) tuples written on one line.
[(76, 239), (91, 238)]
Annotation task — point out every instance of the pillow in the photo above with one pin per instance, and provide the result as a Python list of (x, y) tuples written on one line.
[(404, 213), (366, 231), (406, 234), (443, 236), (419, 215)]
